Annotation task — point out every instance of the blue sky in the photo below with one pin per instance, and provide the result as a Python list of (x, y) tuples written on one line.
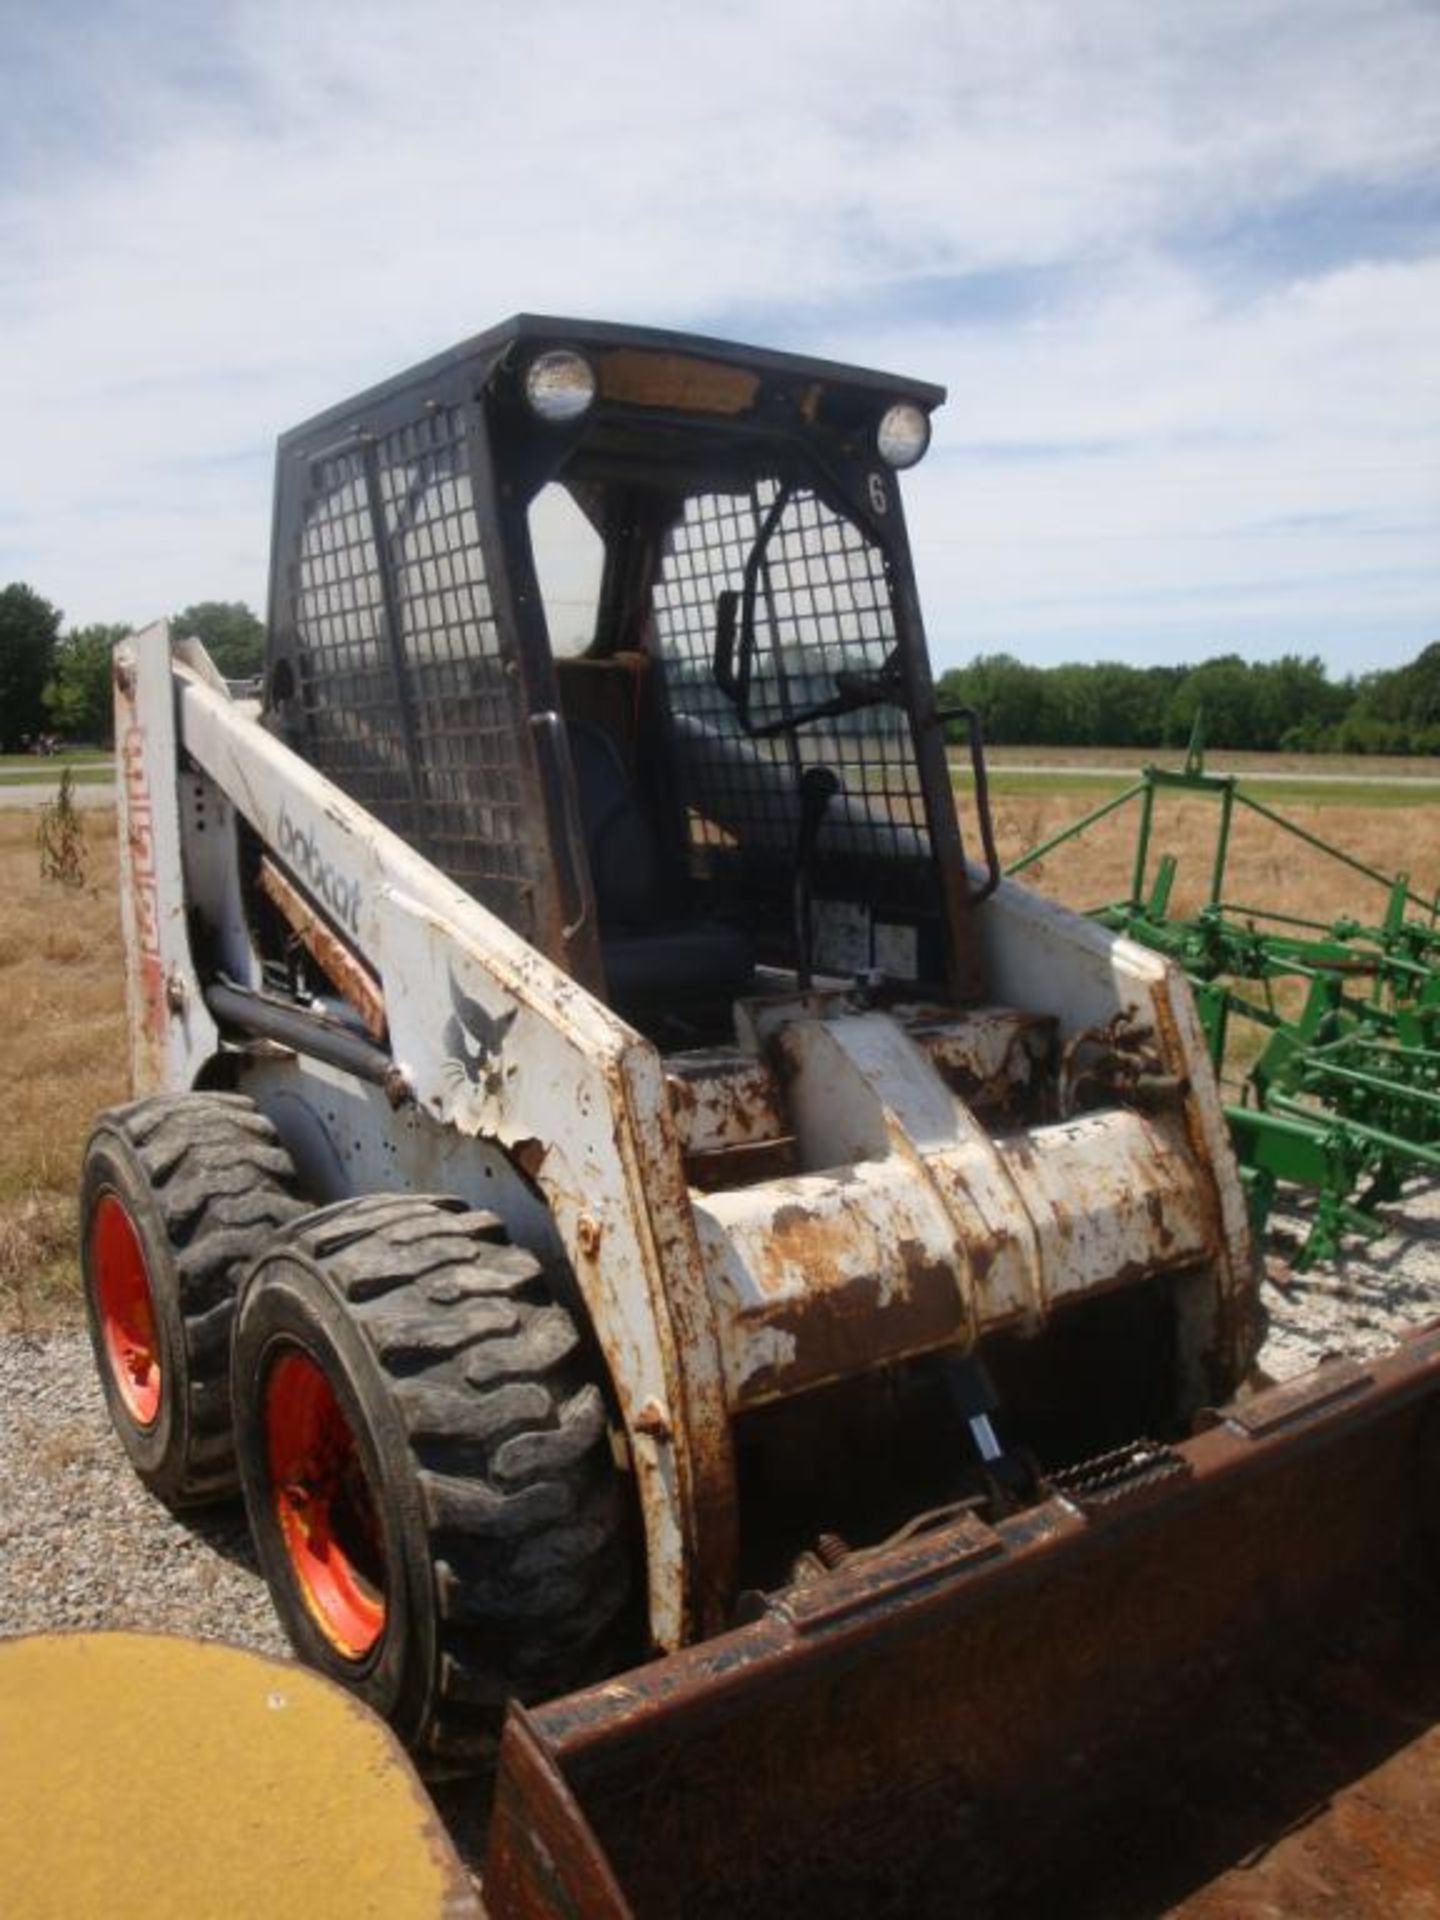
[(1178, 264)]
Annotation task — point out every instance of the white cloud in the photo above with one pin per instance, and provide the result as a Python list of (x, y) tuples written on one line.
[(314, 197), (1268, 475)]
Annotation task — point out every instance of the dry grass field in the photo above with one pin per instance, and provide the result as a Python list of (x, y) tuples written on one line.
[(62, 996), (1267, 866), (61, 975)]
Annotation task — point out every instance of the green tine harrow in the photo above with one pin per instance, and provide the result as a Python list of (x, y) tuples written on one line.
[(1342, 1097)]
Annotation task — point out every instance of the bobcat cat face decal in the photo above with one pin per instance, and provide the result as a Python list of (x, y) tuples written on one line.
[(474, 1040)]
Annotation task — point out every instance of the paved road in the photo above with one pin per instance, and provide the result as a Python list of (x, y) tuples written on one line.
[(34, 793), (1251, 776)]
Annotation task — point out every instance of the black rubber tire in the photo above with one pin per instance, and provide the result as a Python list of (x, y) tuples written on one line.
[(506, 1538), (205, 1183)]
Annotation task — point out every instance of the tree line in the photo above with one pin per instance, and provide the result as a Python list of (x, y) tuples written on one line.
[(54, 683), (1290, 704), (57, 685)]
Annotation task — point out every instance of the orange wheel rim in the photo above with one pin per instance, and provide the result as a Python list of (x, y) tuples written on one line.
[(325, 1504), (126, 1310)]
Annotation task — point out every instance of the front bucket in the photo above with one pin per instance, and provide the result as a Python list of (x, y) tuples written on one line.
[(975, 1720)]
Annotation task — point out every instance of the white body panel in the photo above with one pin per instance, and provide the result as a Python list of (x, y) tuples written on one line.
[(170, 1028), (905, 1222)]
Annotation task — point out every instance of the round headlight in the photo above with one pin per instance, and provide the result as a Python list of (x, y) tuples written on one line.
[(903, 434), (560, 385)]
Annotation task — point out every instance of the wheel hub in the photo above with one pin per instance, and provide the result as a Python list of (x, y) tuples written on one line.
[(126, 1310), (328, 1515)]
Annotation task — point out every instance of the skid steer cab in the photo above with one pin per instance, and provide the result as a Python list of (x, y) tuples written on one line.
[(600, 1155)]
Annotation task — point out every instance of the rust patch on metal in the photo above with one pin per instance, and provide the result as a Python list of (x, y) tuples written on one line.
[(982, 1252), (351, 977), (815, 1243), (851, 1591), (653, 1420), (722, 1098), (994, 1061), (742, 1166), (834, 1329), (1155, 1208), (634, 377), (1010, 1707), (144, 883), (682, 1097), (529, 1156), (1296, 1402), (921, 1271), (699, 1464), (543, 1859)]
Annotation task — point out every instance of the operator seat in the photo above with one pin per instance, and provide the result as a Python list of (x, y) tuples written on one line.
[(648, 953)]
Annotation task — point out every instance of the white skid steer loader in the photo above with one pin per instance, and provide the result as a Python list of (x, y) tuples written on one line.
[(607, 1175)]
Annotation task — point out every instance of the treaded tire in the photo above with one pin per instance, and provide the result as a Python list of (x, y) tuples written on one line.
[(202, 1183), (496, 1530)]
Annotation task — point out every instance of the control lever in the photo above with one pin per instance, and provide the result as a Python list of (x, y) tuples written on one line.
[(818, 787), (994, 872), (1009, 1476)]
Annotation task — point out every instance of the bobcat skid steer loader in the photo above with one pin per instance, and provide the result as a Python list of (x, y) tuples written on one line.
[(651, 1227)]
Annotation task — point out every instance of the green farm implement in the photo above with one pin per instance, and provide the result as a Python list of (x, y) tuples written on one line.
[(1343, 1094)]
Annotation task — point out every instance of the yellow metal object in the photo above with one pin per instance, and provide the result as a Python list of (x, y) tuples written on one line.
[(143, 1777)]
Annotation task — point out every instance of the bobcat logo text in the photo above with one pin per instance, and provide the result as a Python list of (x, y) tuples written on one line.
[(300, 853)]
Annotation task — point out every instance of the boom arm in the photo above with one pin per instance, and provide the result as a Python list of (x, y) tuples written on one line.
[(530, 1061)]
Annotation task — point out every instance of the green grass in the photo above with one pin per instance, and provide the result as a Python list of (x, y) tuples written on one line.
[(38, 772), (1316, 766), (1094, 788), (1332, 793), (74, 756)]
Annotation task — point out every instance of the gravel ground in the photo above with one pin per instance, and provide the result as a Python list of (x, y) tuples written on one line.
[(1360, 1304), (83, 1545)]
